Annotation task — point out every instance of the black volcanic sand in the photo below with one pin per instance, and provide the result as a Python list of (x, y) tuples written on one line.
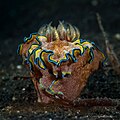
[(18, 99)]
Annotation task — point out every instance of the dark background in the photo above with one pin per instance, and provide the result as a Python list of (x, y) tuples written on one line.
[(19, 18)]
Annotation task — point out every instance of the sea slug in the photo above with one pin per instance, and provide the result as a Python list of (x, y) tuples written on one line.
[(59, 61)]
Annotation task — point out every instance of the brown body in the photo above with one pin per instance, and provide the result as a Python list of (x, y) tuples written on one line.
[(60, 40)]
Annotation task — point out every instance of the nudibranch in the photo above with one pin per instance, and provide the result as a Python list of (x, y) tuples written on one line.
[(59, 61)]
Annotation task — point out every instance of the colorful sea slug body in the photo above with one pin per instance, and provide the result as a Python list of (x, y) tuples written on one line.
[(59, 61)]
